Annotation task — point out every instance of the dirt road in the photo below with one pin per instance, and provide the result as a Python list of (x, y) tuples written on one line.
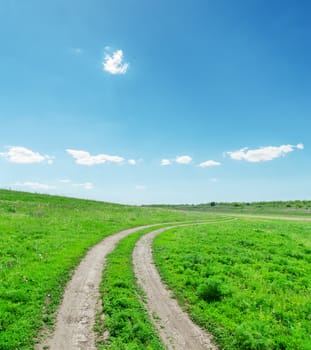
[(174, 325), (276, 217), (76, 315)]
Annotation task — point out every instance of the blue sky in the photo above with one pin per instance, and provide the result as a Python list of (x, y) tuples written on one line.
[(156, 101)]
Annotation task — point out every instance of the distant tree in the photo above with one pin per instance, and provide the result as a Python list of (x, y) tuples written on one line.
[(213, 204)]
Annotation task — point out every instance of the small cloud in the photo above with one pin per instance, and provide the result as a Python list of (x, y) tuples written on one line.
[(84, 158), (183, 159), (113, 63), (65, 181), (214, 179), (76, 51), (34, 185), (85, 185), (209, 163), (263, 154), (132, 161), (22, 155), (165, 162), (140, 187)]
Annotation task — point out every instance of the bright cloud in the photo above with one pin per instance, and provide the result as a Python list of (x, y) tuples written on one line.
[(165, 162), (209, 163), (183, 159), (140, 187), (84, 158), (263, 154), (132, 161), (85, 185), (22, 155), (113, 64), (34, 185)]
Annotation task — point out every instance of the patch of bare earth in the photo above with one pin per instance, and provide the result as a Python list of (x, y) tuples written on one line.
[(76, 315), (174, 325)]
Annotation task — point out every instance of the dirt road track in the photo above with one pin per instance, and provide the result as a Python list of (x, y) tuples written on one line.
[(76, 315), (176, 329), (276, 217)]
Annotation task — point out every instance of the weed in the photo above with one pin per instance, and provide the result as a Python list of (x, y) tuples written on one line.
[(210, 290)]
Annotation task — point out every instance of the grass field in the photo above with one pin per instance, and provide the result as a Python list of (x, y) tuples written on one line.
[(42, 238), (247, 281)]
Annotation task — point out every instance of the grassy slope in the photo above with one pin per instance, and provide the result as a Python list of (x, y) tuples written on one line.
[(42, 238), (247, 281)]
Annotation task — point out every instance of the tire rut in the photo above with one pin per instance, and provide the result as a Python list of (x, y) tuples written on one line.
[(76, 314), (175, 328)]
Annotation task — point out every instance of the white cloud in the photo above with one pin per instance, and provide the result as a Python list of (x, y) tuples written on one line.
[(209, 163), (22, 155), (140, 187), (263, 154), (214, 179), (34, 185), (85, 185), (65, 181), (76, 50), (165, 162), (84, 158), (183, 159), (132, 161), (179, 159), (113, 64)]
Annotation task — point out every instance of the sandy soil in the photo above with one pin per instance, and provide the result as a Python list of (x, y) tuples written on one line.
[(174, 325), (76, 315)]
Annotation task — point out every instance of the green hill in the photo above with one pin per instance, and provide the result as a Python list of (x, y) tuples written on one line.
[(42, 238)]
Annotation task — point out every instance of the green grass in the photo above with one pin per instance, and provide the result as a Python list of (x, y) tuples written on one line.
[(126, 320), (42, 238), (247, 281)]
